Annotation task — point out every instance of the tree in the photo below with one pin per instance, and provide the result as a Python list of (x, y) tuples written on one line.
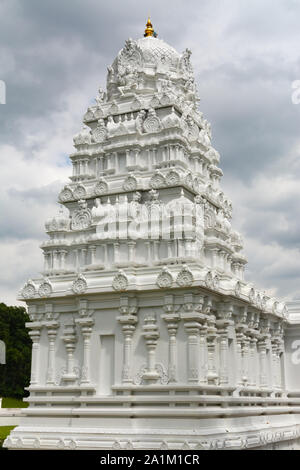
[(15, 374)]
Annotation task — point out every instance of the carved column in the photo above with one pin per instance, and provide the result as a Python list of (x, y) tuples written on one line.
[(131, 251), (86, 324), (212, 375), (70, 340), (243, 345), (128, 321), (223, 337), (148, 252), (76, 259), (252, 361), (116, 252), (93, 249), (83, 256), (276, 372), (35, 334), (192, 324), (171, 318), (238, 353), (222, 326), (262, 351), (55, 259), (203, 354), (192, 330), (151, 335), (63, 254), (52, 327), (245, 360)]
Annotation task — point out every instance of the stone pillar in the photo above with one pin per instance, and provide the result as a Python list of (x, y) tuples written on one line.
[(203, 354), (83, 256), (70, 340), (55, 259), (131, 251), (116, 252), (35, 334), (252, 362), (93, 249), (222, 325), (245, 360), (148, 251), (63, 254), (86, 324), (212, 375), (211, 338), (52, 327), (238, 353), (128, 321), (223, 335), (172, 319), (76, 259), (151, 335), (192, 324), (262, 351)]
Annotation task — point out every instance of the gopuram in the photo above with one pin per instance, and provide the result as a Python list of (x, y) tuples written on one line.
[(145, 334)]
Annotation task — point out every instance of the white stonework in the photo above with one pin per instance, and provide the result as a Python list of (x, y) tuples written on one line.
[(145, 333)]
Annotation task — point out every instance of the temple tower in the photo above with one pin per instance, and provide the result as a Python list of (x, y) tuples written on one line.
[(145, 333)]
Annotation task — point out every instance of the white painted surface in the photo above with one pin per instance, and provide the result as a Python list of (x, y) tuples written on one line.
[(144, 342)]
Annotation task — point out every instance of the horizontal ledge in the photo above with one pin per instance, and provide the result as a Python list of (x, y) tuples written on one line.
[(171, 412), (162, 399), (175, 387)]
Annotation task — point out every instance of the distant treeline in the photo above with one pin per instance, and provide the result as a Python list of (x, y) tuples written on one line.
[(15, 374)]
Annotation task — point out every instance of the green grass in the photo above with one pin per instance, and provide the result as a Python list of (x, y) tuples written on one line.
[(4, 432), (13, 403)]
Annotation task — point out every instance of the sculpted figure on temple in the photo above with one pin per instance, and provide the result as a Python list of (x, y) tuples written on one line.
[(140, 120), (135, 206), (98, 211), (100, 98)]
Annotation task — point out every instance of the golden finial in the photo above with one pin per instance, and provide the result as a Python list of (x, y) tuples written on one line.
[(149, 31)]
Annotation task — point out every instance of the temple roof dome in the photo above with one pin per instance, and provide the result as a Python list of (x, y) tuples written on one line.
[(158, 52)]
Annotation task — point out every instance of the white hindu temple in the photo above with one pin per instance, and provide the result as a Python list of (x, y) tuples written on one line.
[(145, 334)]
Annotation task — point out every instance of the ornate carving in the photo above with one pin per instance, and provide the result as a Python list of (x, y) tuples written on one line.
[(238, 289), (152, 122), (120, 282), (185, 62), (157, 180), (173, 178), (82, 217), (189, 181), (79, 192), (164, 279), (216, 282), (79, 286), (101, 187), (29, 290), (162, 375), (99, 134), (130, 183), (185, 277), (84, 136), (45, 288), (209, 282), (66, 194)]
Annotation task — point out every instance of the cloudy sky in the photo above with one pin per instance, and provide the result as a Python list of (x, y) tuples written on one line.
[(53, 57)]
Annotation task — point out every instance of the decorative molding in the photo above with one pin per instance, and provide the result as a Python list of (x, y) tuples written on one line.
[(164, 279), (120, 281), (80, 285)]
